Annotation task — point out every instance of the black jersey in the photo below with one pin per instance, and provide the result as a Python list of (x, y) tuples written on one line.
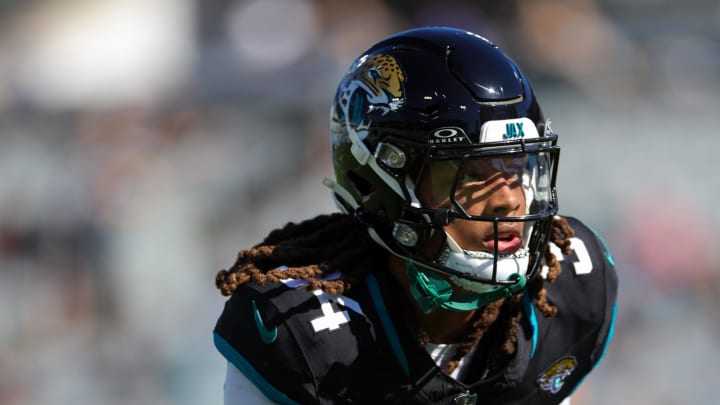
[(301, 346)]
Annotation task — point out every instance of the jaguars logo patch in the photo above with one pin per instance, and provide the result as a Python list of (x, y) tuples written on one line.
[(553, 379)]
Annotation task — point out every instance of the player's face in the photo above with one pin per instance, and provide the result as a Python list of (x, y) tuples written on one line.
[(490, 187)]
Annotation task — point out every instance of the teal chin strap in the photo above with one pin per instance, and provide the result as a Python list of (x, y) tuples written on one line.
[(432, 291)]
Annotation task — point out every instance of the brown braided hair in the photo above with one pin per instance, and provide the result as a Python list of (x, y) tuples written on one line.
[(310, 250), (333, 243)]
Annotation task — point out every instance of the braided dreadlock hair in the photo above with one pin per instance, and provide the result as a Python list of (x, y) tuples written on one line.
[(309, 250), (336, 243)]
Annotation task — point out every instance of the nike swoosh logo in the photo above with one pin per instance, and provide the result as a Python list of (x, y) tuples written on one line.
[(267, 336)]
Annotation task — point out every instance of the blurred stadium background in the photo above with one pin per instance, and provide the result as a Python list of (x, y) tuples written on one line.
[(142, 143)]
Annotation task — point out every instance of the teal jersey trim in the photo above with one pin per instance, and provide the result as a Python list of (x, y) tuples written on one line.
[(530, 312), (387, 325), (239, 361), (608, 254), (611, 332)]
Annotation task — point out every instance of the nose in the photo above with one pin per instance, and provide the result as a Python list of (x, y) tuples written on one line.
[(506, 199)]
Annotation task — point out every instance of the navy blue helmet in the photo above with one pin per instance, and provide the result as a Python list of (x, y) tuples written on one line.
[(433, 102)]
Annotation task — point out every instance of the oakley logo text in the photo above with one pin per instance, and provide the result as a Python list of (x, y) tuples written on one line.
[(445, 133), (448, 135)]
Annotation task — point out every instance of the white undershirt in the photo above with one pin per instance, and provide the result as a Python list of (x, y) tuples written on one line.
[(238, 389), (442, 353)]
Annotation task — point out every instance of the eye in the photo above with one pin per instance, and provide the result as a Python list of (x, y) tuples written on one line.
[(437, 181), (477, 171), (514, 165)]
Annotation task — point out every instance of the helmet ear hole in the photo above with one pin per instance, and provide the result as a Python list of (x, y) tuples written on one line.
[(361, 185)]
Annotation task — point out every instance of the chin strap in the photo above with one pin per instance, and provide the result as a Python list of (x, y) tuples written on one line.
[(432, 291)]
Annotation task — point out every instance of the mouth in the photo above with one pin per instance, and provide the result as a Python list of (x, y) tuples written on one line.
[(507, 242)]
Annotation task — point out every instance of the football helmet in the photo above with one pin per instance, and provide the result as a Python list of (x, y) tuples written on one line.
[(441, 110)]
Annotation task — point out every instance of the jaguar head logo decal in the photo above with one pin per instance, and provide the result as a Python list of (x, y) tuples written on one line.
[(552, 379), (374, 85)]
